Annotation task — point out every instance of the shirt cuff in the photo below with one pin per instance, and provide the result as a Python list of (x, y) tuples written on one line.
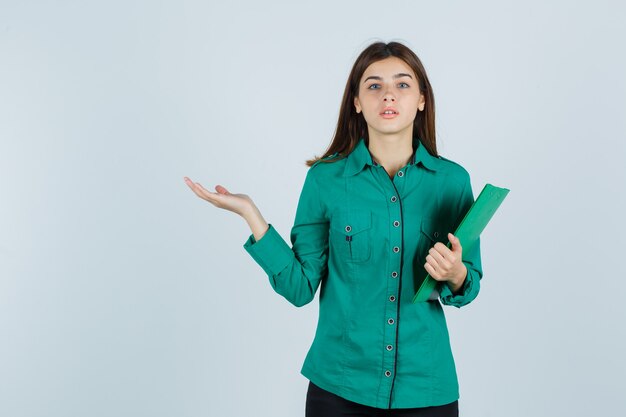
[(460, 299), (271, 252)]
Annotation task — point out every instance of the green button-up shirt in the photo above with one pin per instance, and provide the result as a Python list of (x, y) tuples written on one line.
[(362, 238)]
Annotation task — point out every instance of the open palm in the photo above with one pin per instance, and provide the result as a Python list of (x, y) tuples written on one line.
[(237, 203)]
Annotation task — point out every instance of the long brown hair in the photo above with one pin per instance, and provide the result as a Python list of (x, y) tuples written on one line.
[(352, 126)]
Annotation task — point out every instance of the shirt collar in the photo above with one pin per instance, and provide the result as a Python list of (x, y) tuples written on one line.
[(361, 156)]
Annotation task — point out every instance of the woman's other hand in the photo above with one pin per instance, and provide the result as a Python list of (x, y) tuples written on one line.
[(446, 264), (237, 203)]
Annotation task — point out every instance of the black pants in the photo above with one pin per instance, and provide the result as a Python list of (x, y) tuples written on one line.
[(321, 403)]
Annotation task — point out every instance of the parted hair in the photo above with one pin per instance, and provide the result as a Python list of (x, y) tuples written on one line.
[(351, 126)]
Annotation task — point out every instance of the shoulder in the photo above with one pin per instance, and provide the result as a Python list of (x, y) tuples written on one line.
[(326, 173), (329, 166), (453, 170), (329, 157)]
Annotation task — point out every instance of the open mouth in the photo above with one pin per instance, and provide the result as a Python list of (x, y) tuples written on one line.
[(389, 114)]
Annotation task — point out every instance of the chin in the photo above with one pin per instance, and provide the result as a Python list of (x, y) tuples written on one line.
[(392, 129)]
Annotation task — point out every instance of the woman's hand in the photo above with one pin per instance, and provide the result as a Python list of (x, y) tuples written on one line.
[(237, 203), (445, 264)]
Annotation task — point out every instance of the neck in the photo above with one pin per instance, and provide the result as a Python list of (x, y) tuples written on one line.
[(391, 151)]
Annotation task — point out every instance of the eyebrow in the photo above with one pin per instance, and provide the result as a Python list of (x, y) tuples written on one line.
[(376, 77)]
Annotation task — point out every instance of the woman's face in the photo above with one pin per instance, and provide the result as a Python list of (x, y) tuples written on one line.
[(389, 83)]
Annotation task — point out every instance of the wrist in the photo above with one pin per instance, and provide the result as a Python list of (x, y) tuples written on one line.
[(256, 222), (456, 285), (250, 213)]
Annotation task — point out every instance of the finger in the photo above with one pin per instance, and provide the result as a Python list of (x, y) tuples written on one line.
[(455, 243), (202, 188), (211, 196), (193, 187), (443, 250), (431, 260), (449, 257), (435, 254), (201, 192), (221, 189), (432, 271), (188, 182), (442, 263)]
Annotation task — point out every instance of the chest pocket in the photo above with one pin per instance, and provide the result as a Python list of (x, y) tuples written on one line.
[(350, 235), (432, 233)]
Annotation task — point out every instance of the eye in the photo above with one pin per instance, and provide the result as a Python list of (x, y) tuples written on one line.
[(372, 85)]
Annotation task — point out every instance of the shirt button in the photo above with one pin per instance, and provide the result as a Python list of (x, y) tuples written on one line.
[(390, 321), (389, 347), (387, 373), (394, 274), (348, 228), (392, 298), (393, 198), (396, 249), (396, 223), (436, 234), (400, 173)]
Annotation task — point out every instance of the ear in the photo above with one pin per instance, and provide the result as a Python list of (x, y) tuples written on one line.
[(357, 105), (421, 103)]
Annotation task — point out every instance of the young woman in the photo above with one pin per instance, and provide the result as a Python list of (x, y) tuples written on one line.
[(373, 219)]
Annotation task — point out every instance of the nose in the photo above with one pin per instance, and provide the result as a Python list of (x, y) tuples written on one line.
[(388, 95)]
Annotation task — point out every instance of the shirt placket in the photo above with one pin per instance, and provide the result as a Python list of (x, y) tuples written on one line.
[(393, 277)]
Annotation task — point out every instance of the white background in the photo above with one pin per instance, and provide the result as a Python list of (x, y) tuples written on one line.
[(123, 294)]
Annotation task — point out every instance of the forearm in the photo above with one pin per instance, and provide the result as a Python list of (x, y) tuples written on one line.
[(294, 277), (294, 271), (257, 223)]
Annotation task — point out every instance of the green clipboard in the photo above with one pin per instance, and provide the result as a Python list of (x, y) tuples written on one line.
[(470, 228)]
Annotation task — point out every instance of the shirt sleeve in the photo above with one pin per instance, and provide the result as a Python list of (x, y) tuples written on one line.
[(295, 272), (471, 258)]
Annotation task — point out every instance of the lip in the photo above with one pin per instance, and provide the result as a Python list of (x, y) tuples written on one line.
[(389, 116)]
